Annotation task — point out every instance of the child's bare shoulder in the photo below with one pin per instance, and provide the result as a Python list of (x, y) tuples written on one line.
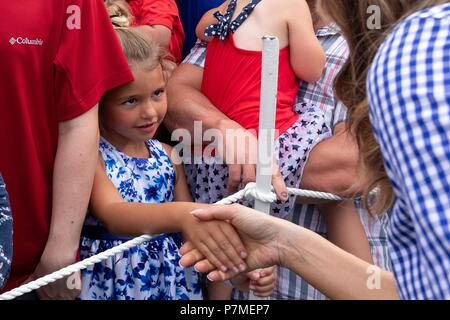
[(292, 7)]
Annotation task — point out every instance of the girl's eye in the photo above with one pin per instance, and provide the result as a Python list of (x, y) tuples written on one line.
[(158, 93), (130, 102)]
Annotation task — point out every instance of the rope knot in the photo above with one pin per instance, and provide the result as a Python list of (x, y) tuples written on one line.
[(252, 193)]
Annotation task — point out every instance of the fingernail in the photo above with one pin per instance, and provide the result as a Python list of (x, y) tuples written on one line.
[(224, 269), (243, 254), (242, 267), (284, 195), (236, 270), (196, 211), (195, 268), (209, 278)]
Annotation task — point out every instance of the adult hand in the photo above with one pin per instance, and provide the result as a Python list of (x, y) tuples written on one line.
[(261, 234), (239, 151), (54, 258), (217, 240)]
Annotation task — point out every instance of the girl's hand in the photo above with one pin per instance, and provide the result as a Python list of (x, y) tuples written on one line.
[(265, 239), (261, 282), (217, 241)]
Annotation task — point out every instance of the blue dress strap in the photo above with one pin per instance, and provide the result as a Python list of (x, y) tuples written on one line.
[(225, 25)]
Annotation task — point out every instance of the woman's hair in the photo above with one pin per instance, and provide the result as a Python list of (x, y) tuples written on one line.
[(137, 46), (352, 18)]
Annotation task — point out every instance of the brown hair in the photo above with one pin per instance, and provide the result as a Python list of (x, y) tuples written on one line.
[(137, 46), (351, 16)]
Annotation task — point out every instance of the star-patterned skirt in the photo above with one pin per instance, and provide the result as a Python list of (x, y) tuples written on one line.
[(208, 183)]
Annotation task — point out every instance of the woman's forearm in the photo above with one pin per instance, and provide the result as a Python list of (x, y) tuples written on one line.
[(334, 272)]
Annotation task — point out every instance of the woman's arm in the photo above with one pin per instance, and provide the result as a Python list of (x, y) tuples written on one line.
[(307, 56), (272, 241)]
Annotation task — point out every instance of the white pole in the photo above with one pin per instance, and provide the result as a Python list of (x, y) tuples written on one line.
[(266, 137), (269, 88)]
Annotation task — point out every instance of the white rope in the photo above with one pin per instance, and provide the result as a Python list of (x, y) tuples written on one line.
[(250, 192), (67, 271)]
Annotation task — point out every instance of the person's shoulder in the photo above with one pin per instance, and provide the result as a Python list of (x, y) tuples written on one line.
[(291, 6), (428, 20), (439, 12)]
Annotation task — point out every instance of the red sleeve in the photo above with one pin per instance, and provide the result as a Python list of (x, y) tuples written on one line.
[(159, 12), (89, 60)]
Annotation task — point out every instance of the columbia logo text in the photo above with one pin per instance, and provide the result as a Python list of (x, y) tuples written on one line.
[(26, 41)]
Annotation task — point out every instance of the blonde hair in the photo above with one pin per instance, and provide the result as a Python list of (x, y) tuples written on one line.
[(137, 46), (351, 16)]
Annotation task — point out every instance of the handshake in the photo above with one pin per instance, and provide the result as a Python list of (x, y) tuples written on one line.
[(261, 237)]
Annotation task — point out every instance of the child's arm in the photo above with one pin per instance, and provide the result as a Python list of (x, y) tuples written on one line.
[(209, 19), (216, 240), (159, 33), (307, 56), (157, 20), (344, 229)]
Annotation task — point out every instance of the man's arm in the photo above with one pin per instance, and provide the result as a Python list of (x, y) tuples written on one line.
[(187, 104), (73, 176)]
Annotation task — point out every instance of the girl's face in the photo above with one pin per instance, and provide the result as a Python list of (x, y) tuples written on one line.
[(133, 112)]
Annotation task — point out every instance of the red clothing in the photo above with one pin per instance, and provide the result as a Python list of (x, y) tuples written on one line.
[(164, 13), (49, 74), (232, 82)]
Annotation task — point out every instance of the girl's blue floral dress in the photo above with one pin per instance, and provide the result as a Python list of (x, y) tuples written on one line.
[(150, 271)]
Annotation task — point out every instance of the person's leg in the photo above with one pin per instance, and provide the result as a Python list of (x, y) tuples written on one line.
[(5, 234)]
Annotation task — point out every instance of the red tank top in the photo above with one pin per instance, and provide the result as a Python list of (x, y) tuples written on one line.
[(232, 82)]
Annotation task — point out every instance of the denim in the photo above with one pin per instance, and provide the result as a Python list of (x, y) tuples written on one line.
[(5, 234)]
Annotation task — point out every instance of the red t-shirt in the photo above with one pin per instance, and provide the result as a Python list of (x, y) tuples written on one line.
[(232, 82), (164, 13), (50, 72)]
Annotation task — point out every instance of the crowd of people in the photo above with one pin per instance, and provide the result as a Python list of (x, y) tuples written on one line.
[(363, 112)]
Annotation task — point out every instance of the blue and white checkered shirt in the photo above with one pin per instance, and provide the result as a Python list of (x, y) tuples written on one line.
[(409, 96)]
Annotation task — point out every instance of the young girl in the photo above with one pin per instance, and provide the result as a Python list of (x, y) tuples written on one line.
[(136, 181), (232, 80)]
